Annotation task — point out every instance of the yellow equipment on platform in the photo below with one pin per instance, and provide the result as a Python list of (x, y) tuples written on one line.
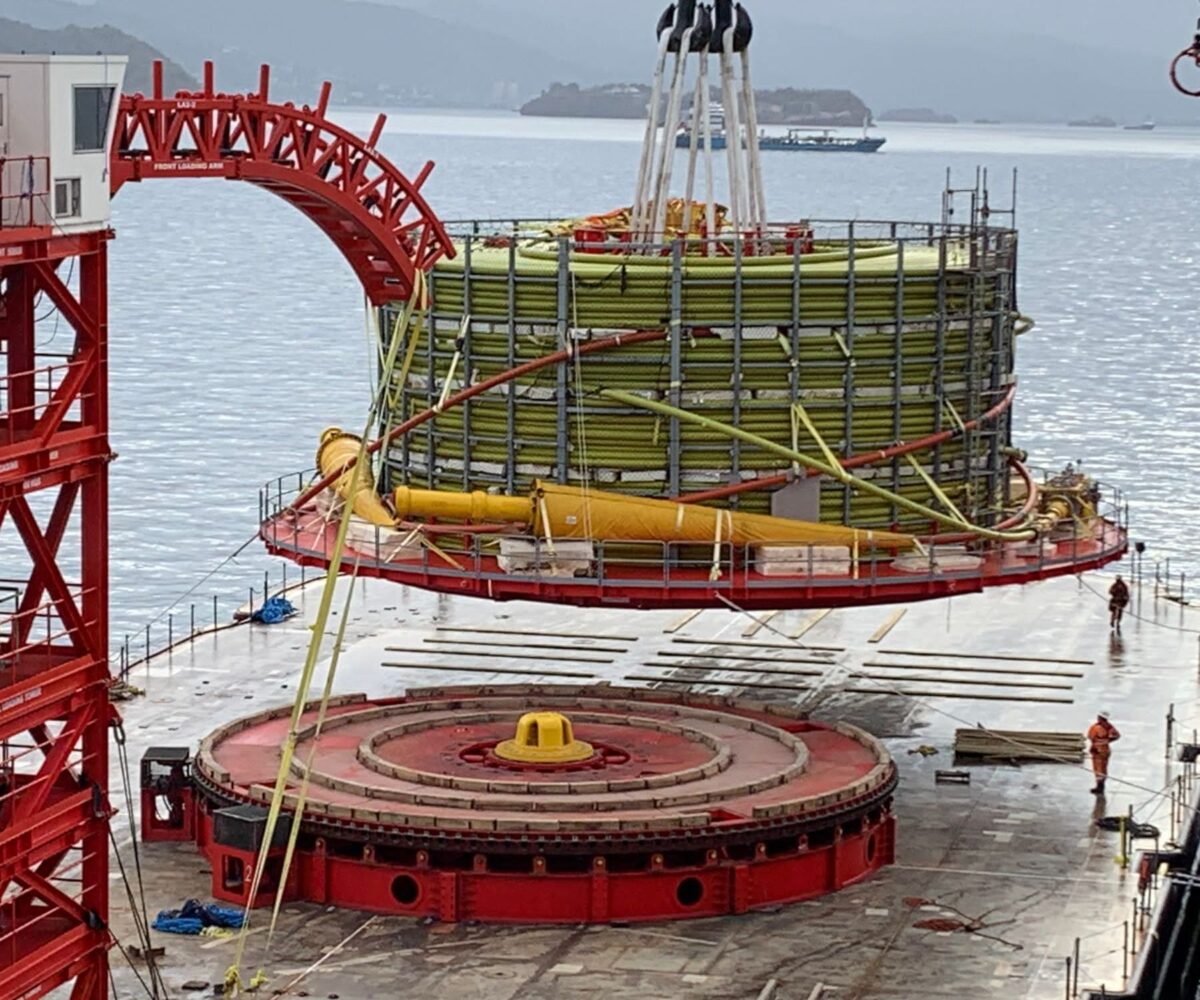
[(338, 452), (544, 738), (562, 512)]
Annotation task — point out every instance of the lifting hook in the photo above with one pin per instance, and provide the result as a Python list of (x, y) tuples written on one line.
[(1190, 54)]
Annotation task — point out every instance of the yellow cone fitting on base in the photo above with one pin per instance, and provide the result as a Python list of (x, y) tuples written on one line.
[(544, 738)]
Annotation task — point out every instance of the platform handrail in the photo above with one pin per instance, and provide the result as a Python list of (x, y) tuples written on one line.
[(24, 182), (738, 568)]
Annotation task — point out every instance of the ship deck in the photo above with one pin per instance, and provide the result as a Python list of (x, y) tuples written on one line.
[(1015, 855)]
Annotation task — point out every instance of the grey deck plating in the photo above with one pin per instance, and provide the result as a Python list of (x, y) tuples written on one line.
[(1017, 848)]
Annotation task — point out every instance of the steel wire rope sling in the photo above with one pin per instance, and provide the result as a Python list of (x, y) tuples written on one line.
[(358, 481)]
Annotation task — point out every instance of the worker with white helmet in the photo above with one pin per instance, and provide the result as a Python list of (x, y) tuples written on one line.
[(1101, 736)]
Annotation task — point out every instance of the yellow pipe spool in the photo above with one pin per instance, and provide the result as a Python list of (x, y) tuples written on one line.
[(338, 452), (568, 512), (476, 507)]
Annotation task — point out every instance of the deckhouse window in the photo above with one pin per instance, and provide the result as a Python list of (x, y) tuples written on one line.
[(92, 107)]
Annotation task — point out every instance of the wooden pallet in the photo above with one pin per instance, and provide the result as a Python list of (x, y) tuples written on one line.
[(1008, 744)]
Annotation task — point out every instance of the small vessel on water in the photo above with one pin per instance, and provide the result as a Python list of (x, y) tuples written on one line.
[(796, 140), (1144, 126)]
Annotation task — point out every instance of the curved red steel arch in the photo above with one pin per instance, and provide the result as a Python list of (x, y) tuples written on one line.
[(374, 214)]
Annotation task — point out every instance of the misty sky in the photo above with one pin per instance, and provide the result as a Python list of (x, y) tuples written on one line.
[(1016, 60)]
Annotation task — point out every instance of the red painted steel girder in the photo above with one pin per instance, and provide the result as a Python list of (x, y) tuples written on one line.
[(54, 806), (374, 213)]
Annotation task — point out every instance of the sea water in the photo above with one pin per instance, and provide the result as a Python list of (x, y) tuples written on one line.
[(238, 332)]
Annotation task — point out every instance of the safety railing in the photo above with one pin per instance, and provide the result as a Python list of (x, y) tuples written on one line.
[(722, 567), (182, 624), (10, 600), (823, 229), (24, 192), (31, 639), (25, 397), (1158, 936)]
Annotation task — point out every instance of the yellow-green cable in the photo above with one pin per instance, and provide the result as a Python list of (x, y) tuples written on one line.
[(835, 472)]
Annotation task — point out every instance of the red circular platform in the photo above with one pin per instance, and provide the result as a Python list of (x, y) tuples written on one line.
[(692, 806)]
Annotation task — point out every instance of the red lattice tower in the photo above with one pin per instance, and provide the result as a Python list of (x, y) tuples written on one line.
[(55, 714)]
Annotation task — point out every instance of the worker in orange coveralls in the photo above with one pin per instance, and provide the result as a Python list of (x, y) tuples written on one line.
[(1101, 735), (1118, 597)]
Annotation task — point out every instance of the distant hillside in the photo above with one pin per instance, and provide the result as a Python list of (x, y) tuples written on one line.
[(374, 54), (790, 106), (569, 100), (76, 41), (924, 115), (787, 106)]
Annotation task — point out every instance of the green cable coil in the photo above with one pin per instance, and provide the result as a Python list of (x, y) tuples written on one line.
[(886, 332)]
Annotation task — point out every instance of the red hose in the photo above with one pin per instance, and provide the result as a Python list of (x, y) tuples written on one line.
[(866, 458), (1031, 499)]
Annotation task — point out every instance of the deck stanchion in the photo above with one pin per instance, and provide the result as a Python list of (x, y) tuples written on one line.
[(1174, 811), (170, 631)]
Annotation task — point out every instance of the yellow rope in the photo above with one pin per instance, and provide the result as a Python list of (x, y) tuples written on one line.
[(358, 481), (302, 797)]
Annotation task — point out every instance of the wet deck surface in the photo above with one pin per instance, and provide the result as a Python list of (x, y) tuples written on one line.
[(1016, 850)]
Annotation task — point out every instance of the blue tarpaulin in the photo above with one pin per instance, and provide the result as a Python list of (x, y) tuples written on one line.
[(194, 916), (273, 611)]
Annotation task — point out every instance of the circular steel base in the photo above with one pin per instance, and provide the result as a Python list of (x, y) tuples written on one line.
[(709, 805)]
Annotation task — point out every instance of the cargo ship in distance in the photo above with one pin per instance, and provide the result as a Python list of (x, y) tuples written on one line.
[(796, 140)]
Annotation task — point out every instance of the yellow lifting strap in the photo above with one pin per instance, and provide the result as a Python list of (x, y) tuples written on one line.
[(402, 323), (802, 415), (935, 489), (302, 797), (359, 480)]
